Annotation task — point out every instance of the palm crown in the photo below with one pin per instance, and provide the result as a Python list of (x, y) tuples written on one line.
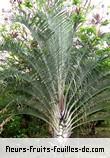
[(52, 78)]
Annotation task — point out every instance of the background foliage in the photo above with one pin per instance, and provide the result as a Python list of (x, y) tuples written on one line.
[(18, 37)]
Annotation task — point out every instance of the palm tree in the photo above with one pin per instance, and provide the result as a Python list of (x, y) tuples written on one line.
[(51, 77)]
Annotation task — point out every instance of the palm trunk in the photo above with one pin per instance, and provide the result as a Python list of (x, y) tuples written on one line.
[(62, 131)]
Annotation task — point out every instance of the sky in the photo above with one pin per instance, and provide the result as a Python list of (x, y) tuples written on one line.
[(107, 2), (4, 4)]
